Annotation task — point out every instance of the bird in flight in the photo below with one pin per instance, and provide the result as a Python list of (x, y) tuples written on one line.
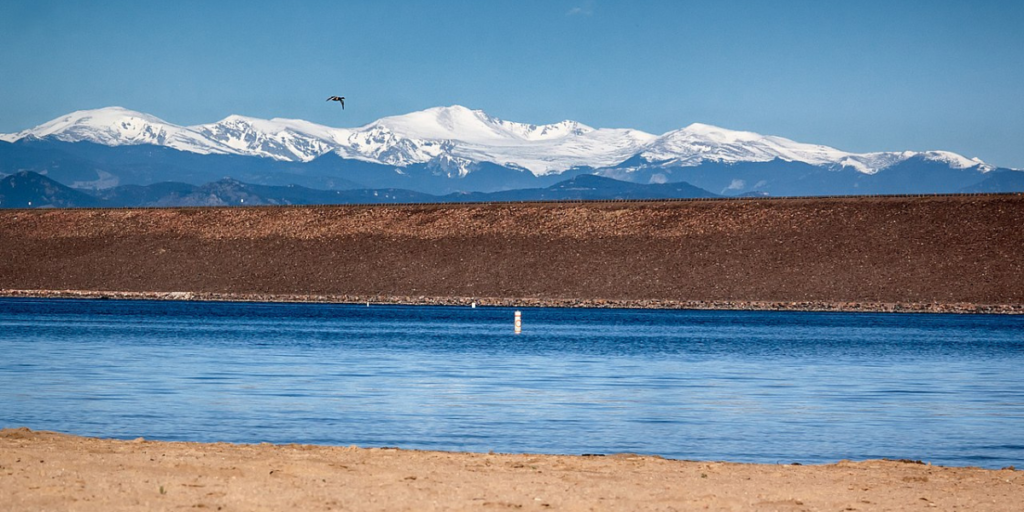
[(339, 99)]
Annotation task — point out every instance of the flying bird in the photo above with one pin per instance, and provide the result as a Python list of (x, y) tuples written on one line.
[(339, 99)]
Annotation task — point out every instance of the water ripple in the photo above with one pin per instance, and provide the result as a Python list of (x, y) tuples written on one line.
[(742, 386)]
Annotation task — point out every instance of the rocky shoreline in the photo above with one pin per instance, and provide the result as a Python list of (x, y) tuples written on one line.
[(725, 305)]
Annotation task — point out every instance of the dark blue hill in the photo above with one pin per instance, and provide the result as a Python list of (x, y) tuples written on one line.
[(781, 178), (999, 181), (27, 189), (588, 187), (37, 190)]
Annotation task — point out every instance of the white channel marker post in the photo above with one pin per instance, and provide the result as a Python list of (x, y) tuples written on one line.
[(519, 322)]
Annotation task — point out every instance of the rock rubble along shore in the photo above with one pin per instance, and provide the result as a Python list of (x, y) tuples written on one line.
[(866, 307), (937, 254)]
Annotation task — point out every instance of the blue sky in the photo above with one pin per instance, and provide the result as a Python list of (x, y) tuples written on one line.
[(859, 76)]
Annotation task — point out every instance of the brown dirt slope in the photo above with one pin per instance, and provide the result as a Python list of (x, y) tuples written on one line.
[(942, 249), (47, 471)]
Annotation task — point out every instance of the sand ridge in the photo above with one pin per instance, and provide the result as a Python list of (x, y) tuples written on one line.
[(887, 250)]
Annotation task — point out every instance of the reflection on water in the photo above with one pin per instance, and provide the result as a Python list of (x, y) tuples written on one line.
[(738, 386)]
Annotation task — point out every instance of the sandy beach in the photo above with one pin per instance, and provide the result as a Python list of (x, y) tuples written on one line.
[(51, 471)]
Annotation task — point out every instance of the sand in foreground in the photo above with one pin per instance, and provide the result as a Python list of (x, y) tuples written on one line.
[(49, 471)]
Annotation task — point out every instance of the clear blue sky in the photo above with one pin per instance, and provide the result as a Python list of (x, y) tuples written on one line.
[(857, 75)]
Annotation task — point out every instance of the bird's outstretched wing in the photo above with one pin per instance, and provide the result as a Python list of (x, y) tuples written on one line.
[(342, 101)]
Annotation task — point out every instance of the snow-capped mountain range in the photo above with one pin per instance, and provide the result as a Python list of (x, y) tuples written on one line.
[(456, 138)]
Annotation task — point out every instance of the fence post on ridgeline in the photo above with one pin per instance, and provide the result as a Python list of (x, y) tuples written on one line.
[(519, 322)]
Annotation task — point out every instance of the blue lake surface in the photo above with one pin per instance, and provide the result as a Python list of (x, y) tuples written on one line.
[(711, 385)]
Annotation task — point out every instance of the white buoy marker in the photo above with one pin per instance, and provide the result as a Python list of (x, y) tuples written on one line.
[(519, 322)]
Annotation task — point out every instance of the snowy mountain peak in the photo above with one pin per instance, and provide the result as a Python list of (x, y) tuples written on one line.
[(956, 161), (277, 139), (717, 133), (104, 124), (463, 124), (465, 136), (699, 143), (117, 126)]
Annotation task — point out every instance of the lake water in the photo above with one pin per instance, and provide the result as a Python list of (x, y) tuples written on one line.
[(710, 385)]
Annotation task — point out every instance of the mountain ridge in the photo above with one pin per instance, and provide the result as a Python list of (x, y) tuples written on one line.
[(28, 189), (460, 137)]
